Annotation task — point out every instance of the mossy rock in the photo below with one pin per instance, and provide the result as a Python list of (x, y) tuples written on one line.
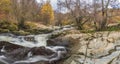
[(4, 31), (13, 27), (45, 30), (21, 32), (39, 31), (4, 24), (55, 35)]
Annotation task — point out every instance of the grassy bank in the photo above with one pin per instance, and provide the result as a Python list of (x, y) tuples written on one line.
[(29, 28)]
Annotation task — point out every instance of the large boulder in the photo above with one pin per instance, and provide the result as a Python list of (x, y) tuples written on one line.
[(42, 51), (18, 54), (8, 47), (22, 53)]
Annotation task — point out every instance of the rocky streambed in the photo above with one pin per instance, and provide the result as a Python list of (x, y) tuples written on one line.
[(11, 53), (31, 49)]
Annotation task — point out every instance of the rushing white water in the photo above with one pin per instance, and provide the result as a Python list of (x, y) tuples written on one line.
[(1, 59), (29, 54), (45, 58), (19, 40), (38, 41), (3, 49)]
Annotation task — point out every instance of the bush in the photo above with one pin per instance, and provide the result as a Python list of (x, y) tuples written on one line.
[(4, 24), (113, 28), (13, 27), (29, 25)]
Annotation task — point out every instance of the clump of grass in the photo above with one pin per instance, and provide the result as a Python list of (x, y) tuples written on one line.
[(113, 28)]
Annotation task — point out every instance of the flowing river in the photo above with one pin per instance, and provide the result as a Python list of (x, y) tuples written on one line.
[(25, 51)]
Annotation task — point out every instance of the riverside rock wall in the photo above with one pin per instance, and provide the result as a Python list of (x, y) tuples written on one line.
[(95, 48)]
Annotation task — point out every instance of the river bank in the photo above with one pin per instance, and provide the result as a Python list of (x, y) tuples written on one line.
[(94, 48)]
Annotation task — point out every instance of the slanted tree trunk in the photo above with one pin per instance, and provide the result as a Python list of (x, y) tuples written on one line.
[(78, 24), (21, 23)]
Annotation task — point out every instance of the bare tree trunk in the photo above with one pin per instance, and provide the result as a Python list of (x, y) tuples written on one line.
[(79, 24), (79, 12)]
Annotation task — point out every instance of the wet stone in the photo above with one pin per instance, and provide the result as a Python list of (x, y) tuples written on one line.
[(8, 47), (31, 39), (41, 51), (58, 42)]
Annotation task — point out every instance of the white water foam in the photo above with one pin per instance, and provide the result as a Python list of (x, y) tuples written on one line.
[(40, 40), (3, 49)]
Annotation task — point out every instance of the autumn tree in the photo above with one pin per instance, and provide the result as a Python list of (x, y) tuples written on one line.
[(47, 13), (61, 18), (102, 13), (4, 8), (24, 10)]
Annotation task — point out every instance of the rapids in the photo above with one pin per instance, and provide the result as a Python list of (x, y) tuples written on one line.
[(36, 42)]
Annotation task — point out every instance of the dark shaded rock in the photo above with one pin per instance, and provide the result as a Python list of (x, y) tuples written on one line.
[(22, 53), (55, 35), (9, 46), (41, 63), (2, 63), (58, 42), (18, 54), (42, 51)]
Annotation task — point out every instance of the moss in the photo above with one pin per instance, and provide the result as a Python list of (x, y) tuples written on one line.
[(34, 31), (21, 32), (8, 26), (13, 27), (4, 30), (39, 31), (4, 24), (55, 35), (58, 34), (45, 30)]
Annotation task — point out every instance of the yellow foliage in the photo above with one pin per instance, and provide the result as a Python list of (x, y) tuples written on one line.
[(65, 22), (116, 19), (47, 13), (5, 6)]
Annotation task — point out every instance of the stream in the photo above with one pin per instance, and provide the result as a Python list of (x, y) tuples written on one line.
[(30, 49)]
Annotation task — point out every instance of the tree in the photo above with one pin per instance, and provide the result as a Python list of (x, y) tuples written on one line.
[(24, 10), (4, 8), (102, 13), (79, 11), (47, 13)]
